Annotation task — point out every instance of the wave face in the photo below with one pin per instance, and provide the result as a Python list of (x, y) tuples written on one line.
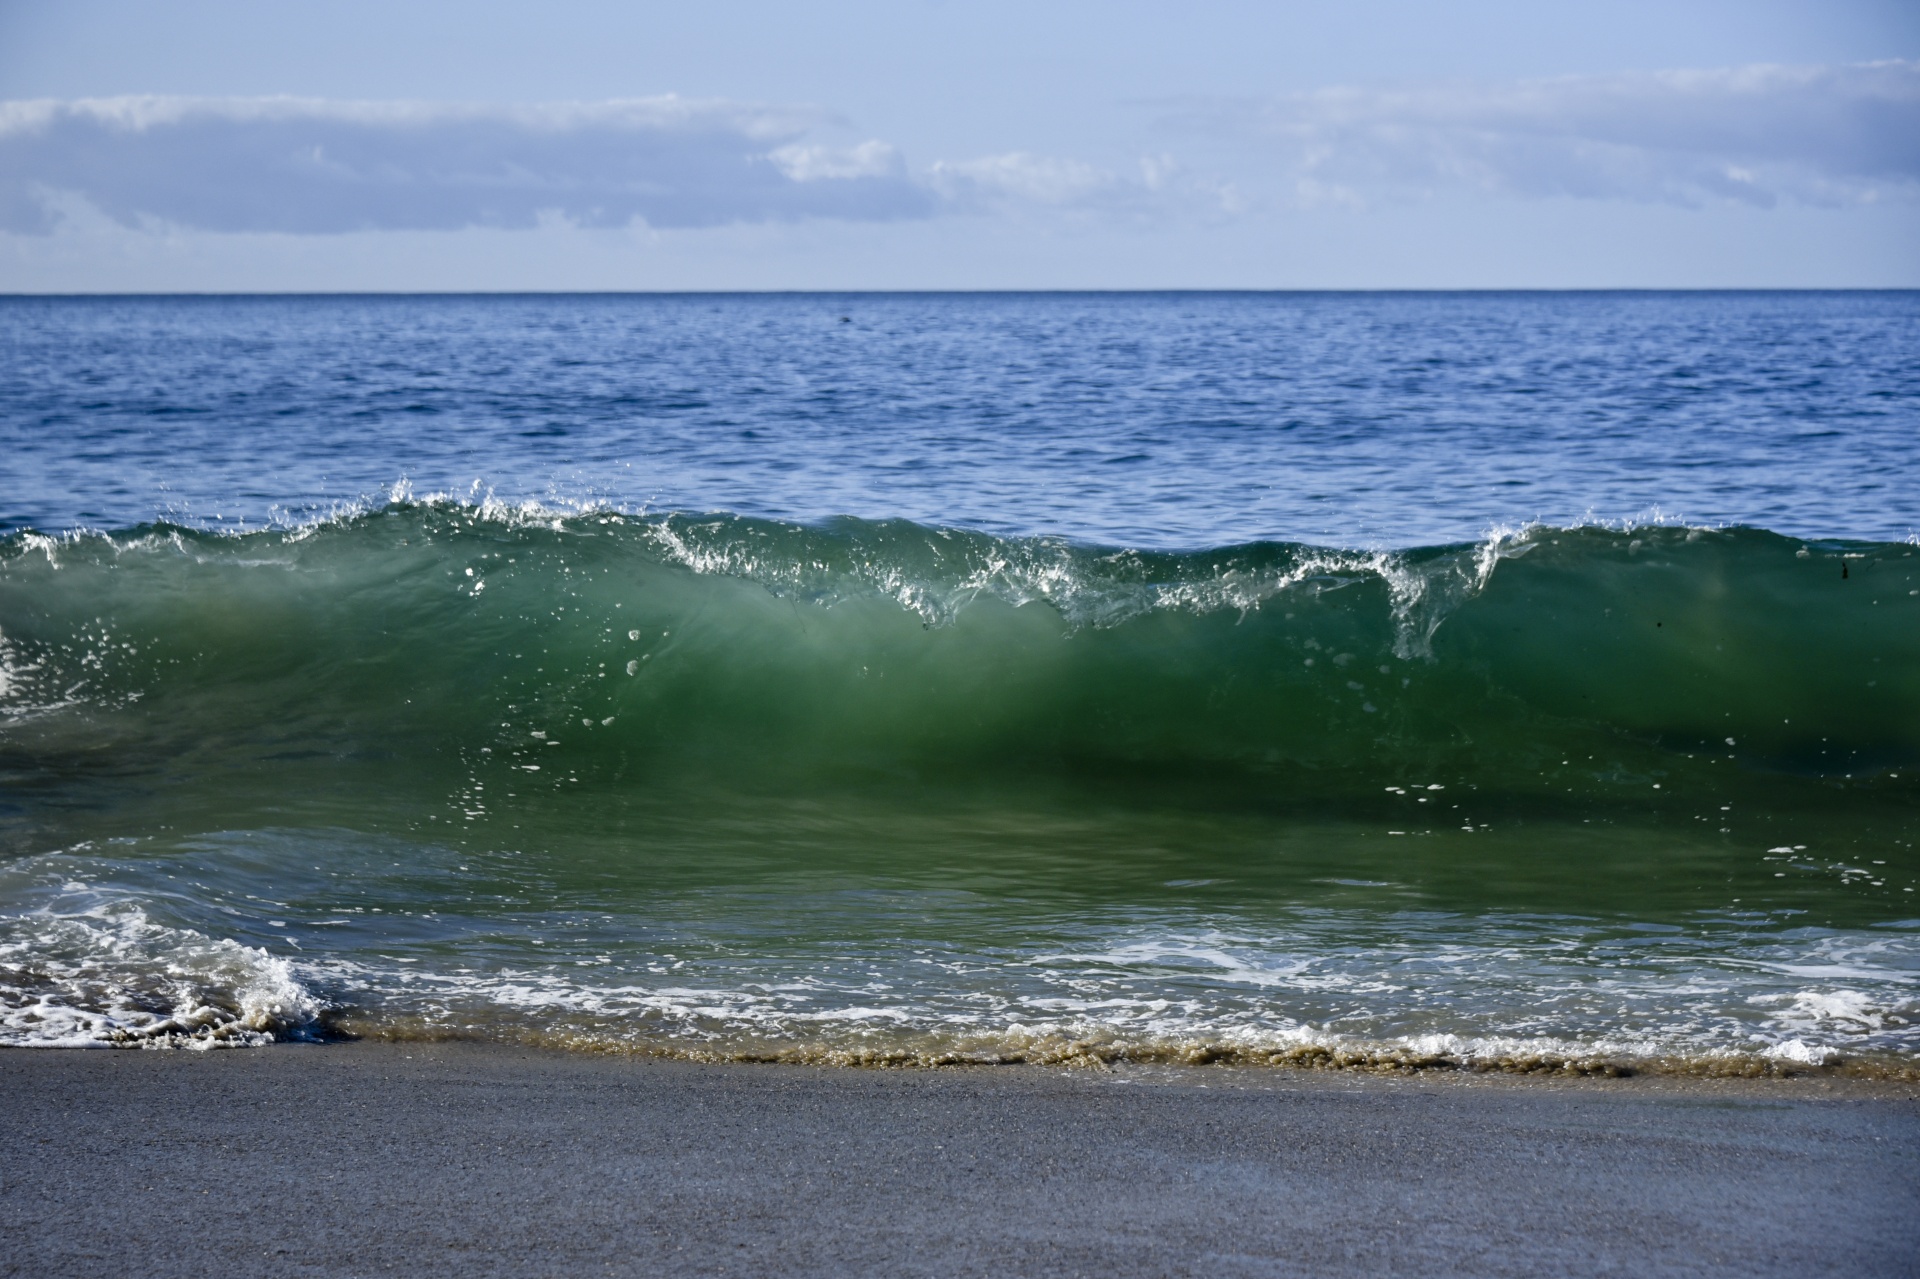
[(958, 793), (612, 650)]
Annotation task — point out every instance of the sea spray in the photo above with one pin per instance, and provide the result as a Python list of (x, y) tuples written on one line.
[(883, 791)]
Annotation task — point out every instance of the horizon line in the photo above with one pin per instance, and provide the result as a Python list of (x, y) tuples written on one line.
[(48, 295)]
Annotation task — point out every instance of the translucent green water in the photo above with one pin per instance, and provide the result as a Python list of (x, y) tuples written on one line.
[(883, 791)]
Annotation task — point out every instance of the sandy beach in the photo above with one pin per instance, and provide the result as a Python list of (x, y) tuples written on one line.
[(432, 1159)]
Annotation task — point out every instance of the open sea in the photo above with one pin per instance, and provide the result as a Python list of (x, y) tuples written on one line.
[(1501, 681)]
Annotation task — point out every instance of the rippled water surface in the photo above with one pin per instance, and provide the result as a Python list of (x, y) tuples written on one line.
[(1518, 681), (1160, 420)]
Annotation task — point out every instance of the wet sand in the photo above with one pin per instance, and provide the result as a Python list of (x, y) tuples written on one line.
[(370, 1159)]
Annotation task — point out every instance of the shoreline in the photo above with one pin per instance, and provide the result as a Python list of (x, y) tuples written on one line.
[(1058, 1053), (453, 1157)]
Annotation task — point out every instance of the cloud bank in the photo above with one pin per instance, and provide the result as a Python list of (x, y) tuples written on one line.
[(1821, 135), (1814, 135), (309, 166)]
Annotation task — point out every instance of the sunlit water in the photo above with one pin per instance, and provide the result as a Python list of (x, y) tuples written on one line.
[(1192, 681)]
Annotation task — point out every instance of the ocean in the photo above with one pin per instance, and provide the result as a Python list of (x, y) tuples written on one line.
[(1519, 682)]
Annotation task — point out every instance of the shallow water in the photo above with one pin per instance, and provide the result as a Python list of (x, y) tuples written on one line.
[(1005, 779)]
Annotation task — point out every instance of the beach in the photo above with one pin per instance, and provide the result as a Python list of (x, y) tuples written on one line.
[(451, 1158), (1031, 784), (866, 639)]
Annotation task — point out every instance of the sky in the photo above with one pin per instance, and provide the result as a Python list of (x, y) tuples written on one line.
[(236, 145)]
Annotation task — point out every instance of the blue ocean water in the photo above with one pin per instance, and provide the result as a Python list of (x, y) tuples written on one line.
[(1500, 681), (1154, 420)]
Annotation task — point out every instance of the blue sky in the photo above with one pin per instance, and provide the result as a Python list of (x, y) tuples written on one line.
[(926, 144)]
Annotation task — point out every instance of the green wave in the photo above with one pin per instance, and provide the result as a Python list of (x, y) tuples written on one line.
[(878, 792), (439, 656)]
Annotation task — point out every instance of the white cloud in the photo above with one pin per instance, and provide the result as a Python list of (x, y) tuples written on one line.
[(1020, 176), (872, 159), (1832, 136), (309, 166), (1157, 187), (1822, 135)]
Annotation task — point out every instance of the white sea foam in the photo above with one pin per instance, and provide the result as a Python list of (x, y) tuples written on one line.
[(936, 573), (1195, 995), (103, 946), (1802, 1052), (110, 975)]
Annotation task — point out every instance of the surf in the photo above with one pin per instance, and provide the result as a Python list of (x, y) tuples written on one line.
[(607, 650), (886, 792)]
